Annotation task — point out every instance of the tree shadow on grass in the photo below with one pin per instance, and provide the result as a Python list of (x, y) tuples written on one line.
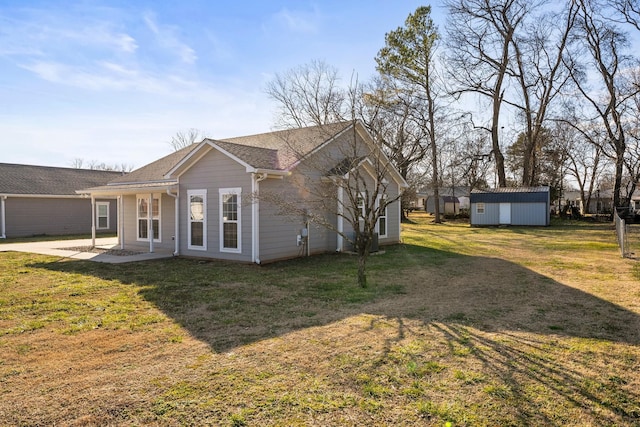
[(514, 326), (227, 304)]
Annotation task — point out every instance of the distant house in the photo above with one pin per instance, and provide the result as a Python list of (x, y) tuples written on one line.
[(39, 200), (419, 202), (209, 200), (601, 202), (511, 206), (448, 205)]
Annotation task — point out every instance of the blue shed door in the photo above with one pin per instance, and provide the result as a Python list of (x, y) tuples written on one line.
[(505, 213)]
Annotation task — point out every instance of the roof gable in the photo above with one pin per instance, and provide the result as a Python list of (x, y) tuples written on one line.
[(278, 151), (20, 179), (273, 152), (155, 171)]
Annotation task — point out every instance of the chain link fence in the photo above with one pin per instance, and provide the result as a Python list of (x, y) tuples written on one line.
[(621, 234), (627, 234)]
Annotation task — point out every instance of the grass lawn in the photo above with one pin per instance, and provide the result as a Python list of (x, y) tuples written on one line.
[(467, 326)]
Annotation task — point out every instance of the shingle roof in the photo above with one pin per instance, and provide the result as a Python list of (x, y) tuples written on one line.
[(277, 150), (280, 150), (51, 181), (154, 171)]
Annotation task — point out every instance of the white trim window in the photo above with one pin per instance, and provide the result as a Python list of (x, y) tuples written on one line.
[(360, 207), (382, 219), (230, 220), (480, 208), (197, 219), (102, 215), (142, 212)]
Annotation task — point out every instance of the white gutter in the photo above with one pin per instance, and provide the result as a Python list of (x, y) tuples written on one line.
[(45, 196), (3, 223), (255, 216), (176, 249)]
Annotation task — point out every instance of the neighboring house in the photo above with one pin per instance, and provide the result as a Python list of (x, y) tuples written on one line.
[(448, 205), (511, 206), (419, 202), (38, 200), (210, 199), (600, 202)]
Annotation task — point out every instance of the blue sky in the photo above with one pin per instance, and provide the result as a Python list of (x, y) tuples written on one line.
[(112, 81)]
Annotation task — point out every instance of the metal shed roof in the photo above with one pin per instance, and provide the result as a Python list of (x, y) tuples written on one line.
[(511, 195)]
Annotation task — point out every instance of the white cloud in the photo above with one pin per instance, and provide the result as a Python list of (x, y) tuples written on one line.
[(167, 38), (297, 21)]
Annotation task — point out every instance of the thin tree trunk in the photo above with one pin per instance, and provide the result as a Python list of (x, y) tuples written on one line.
[(362, 268)]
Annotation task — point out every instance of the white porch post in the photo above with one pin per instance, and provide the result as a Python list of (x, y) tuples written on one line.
[(150, 222), (93, 220), (176, 225), (255, 256), (340, 219), (3, 222), (121, 221)]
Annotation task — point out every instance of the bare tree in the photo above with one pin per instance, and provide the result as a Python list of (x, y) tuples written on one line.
[(609, 102), (387, 114), (307, 95), (584, 159), (630, 11), (77, 163), (408, 57), (80, 163), (480, 39), (184, 138), (346, 187), (354, 187), (540, 72)]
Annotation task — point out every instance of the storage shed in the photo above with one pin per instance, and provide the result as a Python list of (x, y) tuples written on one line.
[(448, 205), (511, 206)]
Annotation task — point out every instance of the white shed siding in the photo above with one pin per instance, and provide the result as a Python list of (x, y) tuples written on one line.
[(212, 172)]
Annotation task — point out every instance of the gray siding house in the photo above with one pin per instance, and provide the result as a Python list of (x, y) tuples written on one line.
[(249, 199), (448, 205), (39, 200), (511, 206)]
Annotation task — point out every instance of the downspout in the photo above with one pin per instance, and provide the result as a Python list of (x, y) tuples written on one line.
[(176, 250), (93, 221), (308, 238), (3, 223), (150, 222), (340, 219), (121, 221), (399, 214), (255, 216)]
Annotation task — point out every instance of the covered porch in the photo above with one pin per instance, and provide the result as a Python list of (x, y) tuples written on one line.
[(139, 216)]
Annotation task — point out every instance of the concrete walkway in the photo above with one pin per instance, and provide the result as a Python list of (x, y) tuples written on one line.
[(65, 249)]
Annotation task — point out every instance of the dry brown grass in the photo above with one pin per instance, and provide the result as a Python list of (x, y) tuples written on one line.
[(501, 326)]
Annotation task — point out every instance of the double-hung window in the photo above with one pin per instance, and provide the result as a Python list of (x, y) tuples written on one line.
[(480, 208), (197, 219), (143, 217), (230, 223), (382, 218), (102, 215), (361, 209)]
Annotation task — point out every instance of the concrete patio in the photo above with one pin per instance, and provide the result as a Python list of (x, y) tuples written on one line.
[(69, 249)]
